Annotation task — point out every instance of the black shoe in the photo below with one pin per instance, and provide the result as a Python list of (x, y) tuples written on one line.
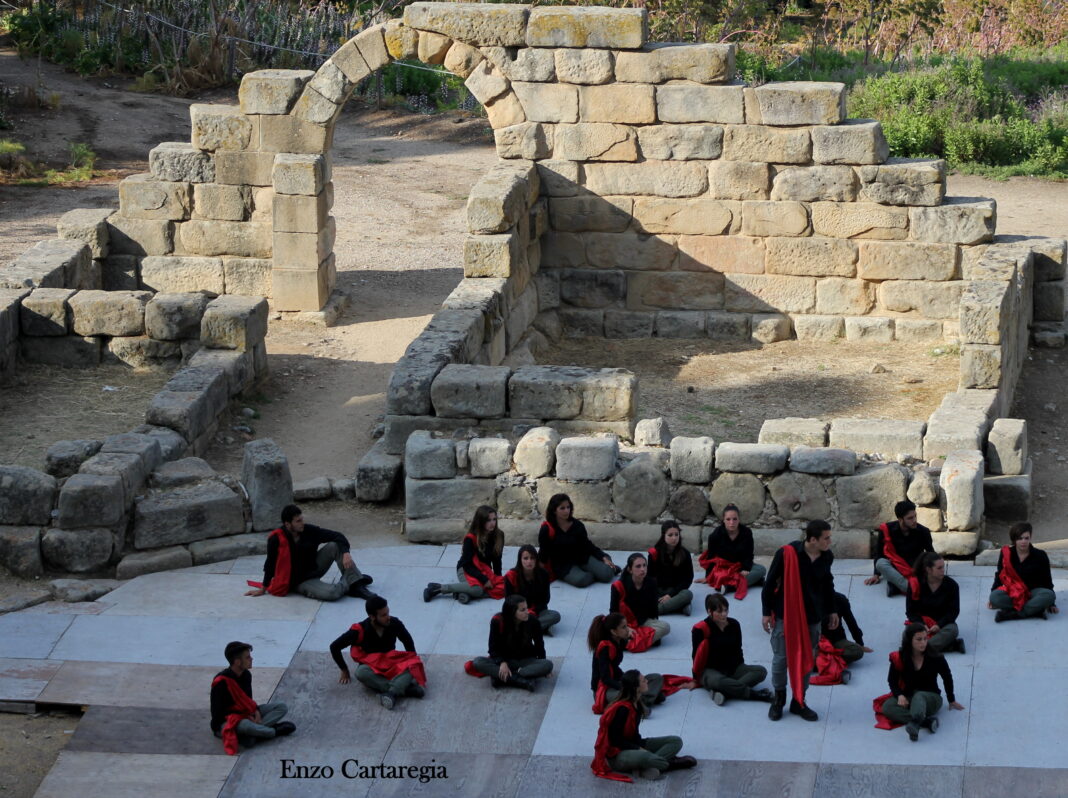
[(687, 609), (775, 710), (656, 644), (497, 683), (521, 683), (365, 580), (356, 590), (958, 645), (660, 698), (1006, 615), (931, 724), (763, 694), (415, 690), (284, 728), (891, 589), (431, 590), (913, 730), (681, 763), (806, 713)]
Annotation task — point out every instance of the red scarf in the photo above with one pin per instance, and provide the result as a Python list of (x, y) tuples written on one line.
[(600, 698), (1011, 582), (898, 561), (795, 624), (700, 657), (641, 637), (881, 721), (830, 664), (388, 664), (282, 567), (603, 749), (244, 707), (548, 565), (494, 585), (721, 574)]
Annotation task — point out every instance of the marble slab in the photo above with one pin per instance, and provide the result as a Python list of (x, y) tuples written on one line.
[(145, 730), (80, 773), (571, 775), (997, 782), (24, 679), (31, 636), (887, 781)]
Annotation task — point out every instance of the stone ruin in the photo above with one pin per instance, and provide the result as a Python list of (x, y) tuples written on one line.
[(641, 191)]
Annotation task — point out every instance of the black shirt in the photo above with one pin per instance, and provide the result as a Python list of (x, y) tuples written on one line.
[(909, 680), (644, 603), (908, 545), (739, 550), (566, 549), (847, 619), (301, 553), (607, 668), (724, 646), (536, 593), (527, 643), (372, 642), (671, 578), (817, 584), (1034, 571), (471, 552), (222, 703), (942, 605), (617, 729)]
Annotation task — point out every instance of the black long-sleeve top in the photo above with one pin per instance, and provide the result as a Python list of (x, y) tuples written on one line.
[(536, 593), (817, 584), (617, 729), (942, 605), (909, 680), (607, 668), (562, 550), (644, 602), (1034, 571), (301, 553), (910, 545), (671, 578), (724, 646), (471, 552), (526, 643), (845, 615), (372, 642), (221, 702), (739, 550)]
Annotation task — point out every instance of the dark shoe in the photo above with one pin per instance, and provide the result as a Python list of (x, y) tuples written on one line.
[(763, 694), (656, 644), (681, 763), (521, 683), (463, 598), (387, 700), (284, 729), (415, 690), (547, 632), (365, 580), (931, 724), (891, 589), (1006, 615), (356, 590), (958, 646), (431, 590), (775, 710), (660, 698), (913, 731), (806, 713), (687, 609), (497, 683), (846, 676)]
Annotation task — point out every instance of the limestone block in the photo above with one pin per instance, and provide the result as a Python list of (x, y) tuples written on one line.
[(586, 459), (53, 263), (680, 324), (489, 456), (272, 91), (869, 329), (130, 468), (535, 453), (68, 351), (189, 413), (228, 203), (461, 391), (499, 199), (590, 214), (569, 26), (611, 250), (1049, 255), (674, 291), (823, 461), (859, 220), (590, 67), (243, 239), (526, 140), (300, 174), (64, 458), (141, 352), (688, 504), (20, 550), (818, 328), (97, 500), (768, 328), (931, 517), (475, 23), (108, 312), (951, 429), (526, 64), (1006, 447), (174, 275), (961, 482), (180, 162), (680, 142), (923, 488), (1049, 301), (755, 458), (548, 102), (739, 180), (815, 183), (842, 297), (26, 496), (172, 445), (656, 63), (743, 490), (559, 178), (376, 474), (774, 145), (1007, 497), (699, 217), (811, 257), (401, 41), (86, 226), (692, 459), (300, 214), (628, 324), (684, 101), (631, 104), (774, 218), (491, 255), (794, 432), (505, 111), (761, 293), (315, 108), (796, 103), (1048, 339), (371, 43), (931, 300), (186, 513), (980, 366), (915, 330), (486, 82), (591, 288), (293, 134), (904, 181), (244, 168), (238, 367), (799, 497), (45, 311), (77, 551), (879, 436), (433, 47), (181, 472), (592, 501), (576, 323), (984, 308), (144, 446), (234, 322), (265, 475), (222, 549), (867, 498), (220, 127), (907, 260), (854, 141), (595, 142), (452, 498), (640, 491), (461, 59), (652, 432), (427, 457), (958, 220), (81, 590)]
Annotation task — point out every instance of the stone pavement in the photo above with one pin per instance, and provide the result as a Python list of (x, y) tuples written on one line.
[(141, 659)]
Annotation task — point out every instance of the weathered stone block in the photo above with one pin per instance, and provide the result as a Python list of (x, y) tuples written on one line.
[(589, 141), (652, 432), (683, 101), (141, 352), (590, 67), (144, 446), (68, 351), (592, 501), (181, 472), (627, 104), (244, 168), (823, 461), (499, 199), (53, 263), (794, 432), (958, 220), (859, 220), (535, 454), (1049, 301), (1006, 447), (489, 456), (961, 481), (688, 504), (20, 551), (144, 197), (656, 63), (815, 183), (923, 488), (228, 548), (904, 181), (739, 180), (172, 445), (743, 490), (768, 328), (265, 475), (854, 141), (984, 310), (149, 562), (452, 498), (699, 217), (86, 226), (171, 317), (227, 203), (461, 391), (586, 459), (640, 491), (680, 142), (1007, 497), (610, 251), (44, 311), (906, 260), (952, 428), (674, 291), (128, 466), (841, 297), (234, 322), (247, 276), (180, 162), (759, 292), (64, 458), (293, 134), (796, 103), (654, 178), (931, 300), (799, 497), (174, 275), (879, 436), (692, 459), (627, 324), (272, 91), (773, 145), (755, 458), (97, 500), (243, 239), (475, 23), (547, 102), (680, 324), (26, 496), (303, 289), (427, 457), (774, 218), (78, 551), (867, 498), (869, 329), (819, 328), (108, 312), (980, 366), (559, 178), (526, 140), (590, 214), (813, 257), (81, 590), (624, 28), (377, 474), (220, 127), (491, 255)]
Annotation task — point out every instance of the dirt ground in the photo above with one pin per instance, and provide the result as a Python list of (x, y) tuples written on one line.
[(29, 745)]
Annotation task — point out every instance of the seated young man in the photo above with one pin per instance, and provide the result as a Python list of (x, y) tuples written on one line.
[(235, 717), (901, 543)]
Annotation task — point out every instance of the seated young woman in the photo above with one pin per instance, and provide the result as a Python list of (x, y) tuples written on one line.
[(933, 599), (728, 560), (620, 748), (607, 638), (1023, 585), (671, 565), (516, 649), (636, 597), (914, 697), (565, 548), (529, 580), (718, 662), (478, 572)]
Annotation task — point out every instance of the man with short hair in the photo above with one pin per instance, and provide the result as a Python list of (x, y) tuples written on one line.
[(901, 543), (373, 642), (235, 717), (299, 554), (798, 594)]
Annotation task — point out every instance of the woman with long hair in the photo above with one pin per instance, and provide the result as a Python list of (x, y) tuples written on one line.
[(516, 650), (478, 572), (1023, 585), (529, 580), (728, 559), (565, 548), (671, 564), (914, 697), (635, 596), (607, 638), (933, 599)]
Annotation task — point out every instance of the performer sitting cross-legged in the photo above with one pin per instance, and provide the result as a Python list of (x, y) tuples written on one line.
[(635, 595), (565, 548), (728, 560), (478, 570), (901, 542), (607, 638), (621, 749), (718, 663), (235, 717), (1023, 585), (516, 650), (914, 696), (529, 580), (671, 565), (934, 600), (379, 665)]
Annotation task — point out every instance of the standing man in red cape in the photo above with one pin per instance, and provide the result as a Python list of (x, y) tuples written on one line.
[(235, 717), (299, 554), (901, 543), (797, 594)]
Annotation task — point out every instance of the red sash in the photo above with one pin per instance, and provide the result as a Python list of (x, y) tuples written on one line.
[(722, 574), (881, 721), (1011, 582), (548, 564), (282, 567), (244, 707), (600, 698), (641, 637), (672, 683), (603, 749), (700, 657), (494, 585), (898, 561), (830, 664), (795, 624), (388, 664)]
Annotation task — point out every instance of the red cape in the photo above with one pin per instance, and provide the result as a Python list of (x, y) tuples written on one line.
[(494, 585), (898, 561), (1011, 582), (641, 637), (389, 664), (881, 721), (795, 625), (829, 663), (603, 749), (600, 699), (283, 565), (244, 707)]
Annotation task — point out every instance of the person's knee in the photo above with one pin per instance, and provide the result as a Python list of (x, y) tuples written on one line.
[(577, 577), (330, 549)]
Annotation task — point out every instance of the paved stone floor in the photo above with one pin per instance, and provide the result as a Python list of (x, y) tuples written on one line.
[(141, 659)]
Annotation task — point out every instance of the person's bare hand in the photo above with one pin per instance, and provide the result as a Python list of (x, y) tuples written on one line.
[(956, 705), (766, 624), (873, 579), (256, 591), (833, 621), (867, 649), (344, 678), (744, 574), (504, 672), (933, 630), (257, 718), (989, 606), (902, 701), (663, 599), (346, 560), (1053, 609)]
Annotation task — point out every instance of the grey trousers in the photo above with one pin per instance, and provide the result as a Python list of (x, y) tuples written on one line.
[(396, 686), (660, 628), (677, 603), (888, 572), (655, 754), (314, 587), (249, 731), (585, 575), (1042, 598), (921, 706), (461, 586), (739, 684), (548, 618), (778, 653), (526, 668), (944, 638)]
